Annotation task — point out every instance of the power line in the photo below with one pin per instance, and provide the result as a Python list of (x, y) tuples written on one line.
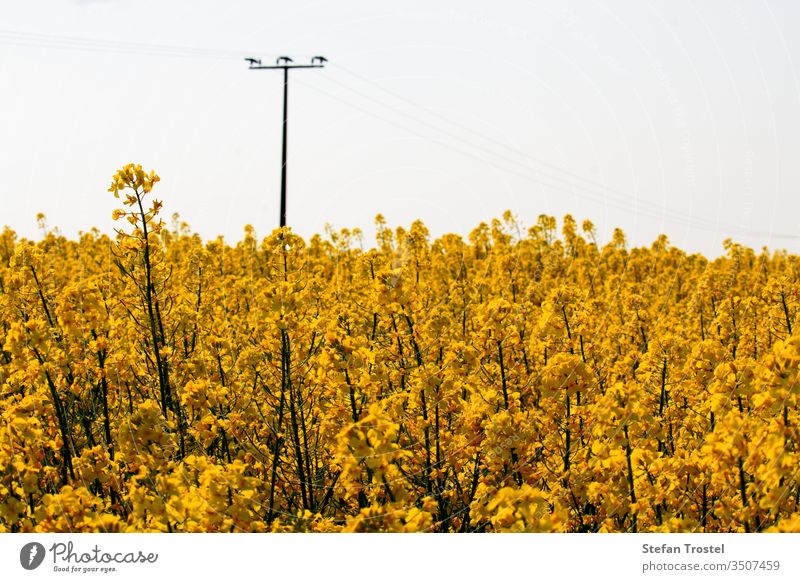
[(468, 129), (572, 175), (593, 186), (53, 41), (643, 207), (467, 152)]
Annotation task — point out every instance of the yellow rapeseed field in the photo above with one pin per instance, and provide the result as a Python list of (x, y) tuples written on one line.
[(515, 381)]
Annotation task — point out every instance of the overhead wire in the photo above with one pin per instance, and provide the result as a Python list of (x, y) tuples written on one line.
[(54, 41), (599, 193), (537, 179), (622, 197)]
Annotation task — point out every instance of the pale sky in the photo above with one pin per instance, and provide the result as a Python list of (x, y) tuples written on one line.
[(655, 116)]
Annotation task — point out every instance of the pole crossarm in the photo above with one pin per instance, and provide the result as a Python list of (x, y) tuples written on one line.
[(254, 67), (286, 64)]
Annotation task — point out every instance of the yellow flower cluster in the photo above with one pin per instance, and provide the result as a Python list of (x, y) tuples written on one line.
[(510, 381)]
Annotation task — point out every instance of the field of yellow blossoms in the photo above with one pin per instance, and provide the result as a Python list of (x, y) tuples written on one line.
[(520, 380)]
